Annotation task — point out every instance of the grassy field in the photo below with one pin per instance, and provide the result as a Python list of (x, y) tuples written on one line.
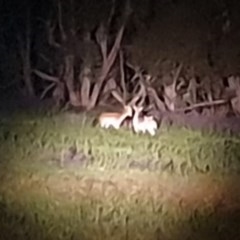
[(62, 178)]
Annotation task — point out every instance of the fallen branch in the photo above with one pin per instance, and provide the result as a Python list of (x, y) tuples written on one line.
[(203, 104)]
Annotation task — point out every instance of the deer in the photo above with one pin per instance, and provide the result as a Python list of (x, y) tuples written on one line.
[(123, 118), (126, 118), (142, 123), (114, 119), (117, 119), (145, 123)]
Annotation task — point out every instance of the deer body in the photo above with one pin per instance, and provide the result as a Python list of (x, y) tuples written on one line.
[(144, 124), (114, 119)]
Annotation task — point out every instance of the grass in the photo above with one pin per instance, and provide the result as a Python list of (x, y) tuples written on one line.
[(62, 178)]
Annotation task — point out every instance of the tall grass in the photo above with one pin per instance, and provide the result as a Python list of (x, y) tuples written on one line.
[(116, 185)]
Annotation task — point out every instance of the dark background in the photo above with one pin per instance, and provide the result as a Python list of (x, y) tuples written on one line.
[(203, 34)]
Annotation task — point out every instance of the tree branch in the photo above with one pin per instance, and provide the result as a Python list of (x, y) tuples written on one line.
[(48, 88), (45, 76)]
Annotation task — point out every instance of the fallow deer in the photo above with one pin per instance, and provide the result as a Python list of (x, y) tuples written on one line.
[(114, 119), (145, 123)]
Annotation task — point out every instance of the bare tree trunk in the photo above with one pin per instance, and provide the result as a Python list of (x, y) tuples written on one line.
[(85, 86), (69, 80), (25, 50), (123, 83), (107, 64)]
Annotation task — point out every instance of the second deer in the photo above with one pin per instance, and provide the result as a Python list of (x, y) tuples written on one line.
[(145, 123)]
